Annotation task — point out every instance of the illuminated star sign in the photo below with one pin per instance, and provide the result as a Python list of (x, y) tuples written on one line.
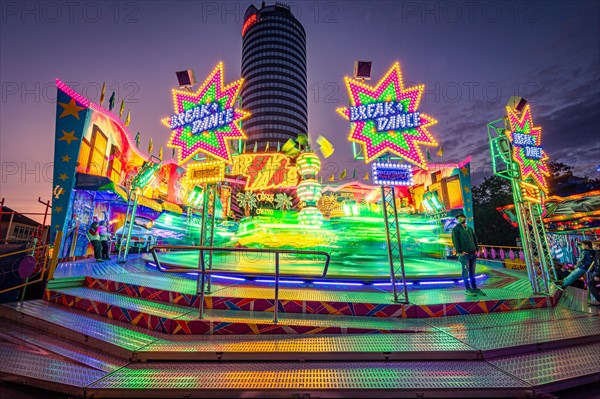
[(385, 119), (205, 120), (527, 150)]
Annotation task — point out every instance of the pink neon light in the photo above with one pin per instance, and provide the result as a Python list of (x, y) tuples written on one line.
[(230, 92), (87, 103), (394, 78)]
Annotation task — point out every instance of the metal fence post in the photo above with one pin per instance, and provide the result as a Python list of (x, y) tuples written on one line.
[(276, 287)]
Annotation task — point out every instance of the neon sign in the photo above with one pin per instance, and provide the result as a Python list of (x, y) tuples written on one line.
[(392, 174), (204, 121), (527, 151), (202, 118), (264, 172), (205, 172), (384, 118)]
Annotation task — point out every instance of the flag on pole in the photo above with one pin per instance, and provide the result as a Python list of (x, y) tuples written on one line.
[(343, 174), (122, 108), (289, 148), (102, 92), (326, 147), (440, 152), (111, 102), (302, 139), (128, 118), (150, 146)]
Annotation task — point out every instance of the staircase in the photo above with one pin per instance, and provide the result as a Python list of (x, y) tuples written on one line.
[(140, 336)]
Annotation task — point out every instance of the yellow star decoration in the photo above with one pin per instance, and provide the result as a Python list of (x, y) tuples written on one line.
[(63, 176), (464, 170), (68, 137), (70, 108), (66, 158), (467, 189), (58, 209)]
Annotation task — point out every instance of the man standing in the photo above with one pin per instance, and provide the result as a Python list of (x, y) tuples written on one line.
[(465, 244)]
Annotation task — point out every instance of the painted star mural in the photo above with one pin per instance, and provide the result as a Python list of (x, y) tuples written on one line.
[(385, 118), (532, 163), (204, 121)]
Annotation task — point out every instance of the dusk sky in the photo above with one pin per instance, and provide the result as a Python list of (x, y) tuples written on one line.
[(471, 56)]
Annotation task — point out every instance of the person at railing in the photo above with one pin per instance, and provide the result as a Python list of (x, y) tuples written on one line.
[(94, 238), (465, 244), (594, 275), (104, 237), (583, 264)]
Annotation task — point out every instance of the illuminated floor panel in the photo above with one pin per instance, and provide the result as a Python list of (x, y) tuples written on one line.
[(76, 352), (77, 324), (357, 379), (553, 365), (35, 365)]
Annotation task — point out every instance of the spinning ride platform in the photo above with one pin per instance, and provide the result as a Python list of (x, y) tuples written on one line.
[(349, 267)]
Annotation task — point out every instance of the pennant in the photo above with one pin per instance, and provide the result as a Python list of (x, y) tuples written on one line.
[(302, 139), (150, 146), (343, 174), (111, 102), (440, 152), (122, 108), (326, 147), (255, 146), (354, 174), (160, 153), (128, 118), (267, 147), (172, 152), (289, 148), (244, 147), (332, 177), (428, 156), (102, 92), (137, 140), (366, 176), (278, 146)]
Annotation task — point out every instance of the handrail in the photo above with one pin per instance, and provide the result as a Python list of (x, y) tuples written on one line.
[(202, 272)]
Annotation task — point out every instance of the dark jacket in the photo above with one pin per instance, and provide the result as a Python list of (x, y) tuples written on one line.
[(596, 269), (464, 239), (585, 259)]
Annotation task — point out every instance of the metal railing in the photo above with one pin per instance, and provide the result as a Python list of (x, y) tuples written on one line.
[(202, 273), (504, 254), (41, 252)]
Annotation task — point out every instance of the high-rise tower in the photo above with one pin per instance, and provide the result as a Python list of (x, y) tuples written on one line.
[(274, 69)]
